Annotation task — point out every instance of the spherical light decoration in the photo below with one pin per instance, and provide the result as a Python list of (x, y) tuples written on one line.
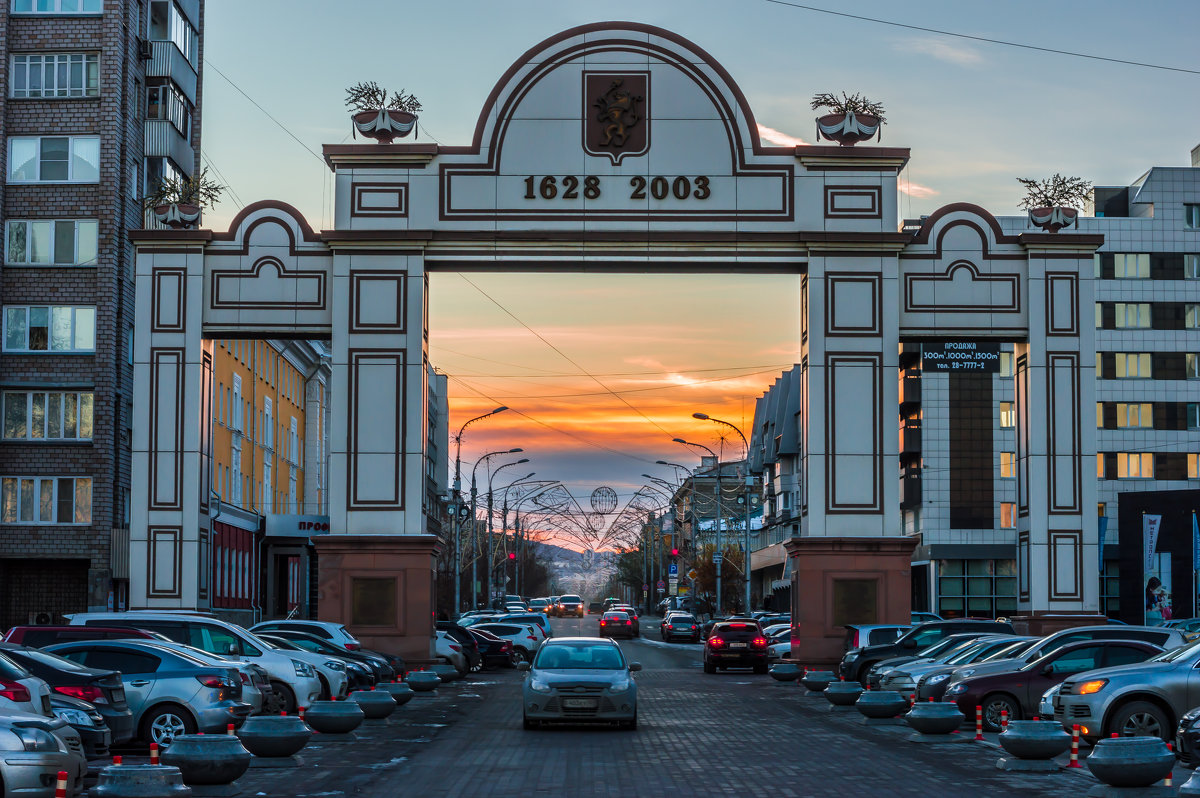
[(604, 499)]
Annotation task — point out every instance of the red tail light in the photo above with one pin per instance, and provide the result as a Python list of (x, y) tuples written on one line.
[(854, 644), (213, 681), (506, 647), (82, 692), (602, 623), (759, 642), (455, 648), (629, 623), (245, 678), (352, 646), (14, 691), (715, 642)]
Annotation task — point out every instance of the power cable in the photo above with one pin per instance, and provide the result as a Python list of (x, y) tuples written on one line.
[(984, 39), (224, 180), (283, 127)]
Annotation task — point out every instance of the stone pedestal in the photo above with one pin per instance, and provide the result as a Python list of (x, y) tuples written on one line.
[(382, 588), (822, 566)]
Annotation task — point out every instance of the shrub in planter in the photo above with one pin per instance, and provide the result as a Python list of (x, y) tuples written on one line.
[(1055, 203), (852, 118), (378, 117), (177, 202)]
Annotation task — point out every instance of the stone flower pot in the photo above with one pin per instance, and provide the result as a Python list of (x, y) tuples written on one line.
[(384, 125), (1052, 219), (447, 673), (1130, 761), (934, 717), (817, 681), (881, 704), (208, 758), (272, 736), (786, 672), (375, 704), (400, 692), (847, 129), (333, 717), (843, 694), (423, 681), (131, 781), (1035, 739), (178, 215)]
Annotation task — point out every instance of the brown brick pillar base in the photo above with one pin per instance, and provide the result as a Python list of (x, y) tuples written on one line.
[(382, 588), (836, 581)]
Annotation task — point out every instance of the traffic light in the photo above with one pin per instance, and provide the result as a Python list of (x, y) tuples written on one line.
[(674, 552), (512, 556)]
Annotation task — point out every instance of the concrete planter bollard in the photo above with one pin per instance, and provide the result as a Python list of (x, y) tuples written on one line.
[(423, 681), (881, 707), (209, 763), (1191, 787), (842, 695), (274, 740), (1033, 745), (935, 722), (447, 673), (400, 692), (1130, 763), (786, 672), (140, 781), (335, 721), (816, 681), (375, 704)]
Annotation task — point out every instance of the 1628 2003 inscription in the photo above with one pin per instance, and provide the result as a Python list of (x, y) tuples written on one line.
[(569, 187)]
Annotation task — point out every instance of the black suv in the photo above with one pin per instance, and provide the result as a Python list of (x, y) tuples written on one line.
[(735, 644), (858, 661)]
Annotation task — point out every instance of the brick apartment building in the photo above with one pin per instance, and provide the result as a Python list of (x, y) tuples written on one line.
[(101, 98)]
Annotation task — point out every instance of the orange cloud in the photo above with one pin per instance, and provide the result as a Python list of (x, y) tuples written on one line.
[(918, 191), (780, 138)]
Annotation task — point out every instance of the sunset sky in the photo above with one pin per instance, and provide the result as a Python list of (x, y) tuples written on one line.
[(976, 116)]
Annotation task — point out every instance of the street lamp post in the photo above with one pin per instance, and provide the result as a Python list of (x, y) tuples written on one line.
[(719, 556), (749, 484), (487, 556), (504, 520), (457, 502), (475, 520)]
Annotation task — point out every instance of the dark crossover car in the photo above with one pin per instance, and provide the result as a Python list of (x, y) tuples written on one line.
[(470, 648), (493, 650), (616, 624), (735, 644), (857, 662), (569, 605), (680, 626)]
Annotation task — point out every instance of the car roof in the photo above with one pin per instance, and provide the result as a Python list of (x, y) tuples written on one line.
[(556, 641)]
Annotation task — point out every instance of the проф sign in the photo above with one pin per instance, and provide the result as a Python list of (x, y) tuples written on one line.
[(982, 358)]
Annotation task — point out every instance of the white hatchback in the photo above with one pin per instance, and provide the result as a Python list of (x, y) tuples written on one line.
[(21, 691)]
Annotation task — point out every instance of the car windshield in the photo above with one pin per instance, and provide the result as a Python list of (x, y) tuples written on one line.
[(963, 654), (1010, 650), (1175, 654), (682, 619), (940, 646), (575, 599), (579, 656)]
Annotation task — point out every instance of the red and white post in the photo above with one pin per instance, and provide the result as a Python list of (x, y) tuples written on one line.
[(1075, 747), (978, 723), (153, 753), (1004, 720), (60, 785), (1168, 781)]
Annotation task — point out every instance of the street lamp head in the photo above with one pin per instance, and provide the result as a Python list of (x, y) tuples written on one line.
[(660, 462), (516, 451), (679, 440), (701, 416), (522, 460), (499, 409)]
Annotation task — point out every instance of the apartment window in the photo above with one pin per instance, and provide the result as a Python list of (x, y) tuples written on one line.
[(49, 329), (44, 242), (268, 424), (1133, 364), (235, 470), (49, 75), (1193, 461), (1192, 317), (168, 24), (1099, 315), (1191, 215), (292, 490), (165, 102), (1133, 315), (236, 402), (1193, 415), (57, 6), (1135, 415), (54, 159), (1008, 515), (53, 415), (1099, 415), (1135, 465), (268, 493), (1191, 366), (1191, 267), (162, 170), (293, 442), (1008, 415), (1008, 464), (46, 500), (1131, 266), (1100, 465)]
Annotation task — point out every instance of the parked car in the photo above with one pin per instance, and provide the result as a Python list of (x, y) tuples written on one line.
[(779, 647), (679, 625), (1189, 628), (933, 681), (99, 687), (256, 682), (494, 650), (339, 675), (1146, 699), (569, 605), (538, 605), (169, 692), (1187, 739), (292, 678), (524, 640), (861, 635), (42, 636), (377, 666), (335, 633), (858, 661), (708, 625), (924, 617), (87, 722), (33, 749), (903, 678), (1017, 692), (470, 648), (615, 623), (21, 691), (880, 670), (735, 644), (530, 618), (447, 648), (580, 680)]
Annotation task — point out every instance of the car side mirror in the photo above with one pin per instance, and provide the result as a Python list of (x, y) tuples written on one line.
[(1048, 670), (233, 648), (522, 666), (634, 667), (908, 643)]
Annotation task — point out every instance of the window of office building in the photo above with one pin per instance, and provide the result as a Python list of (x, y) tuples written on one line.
[(1191, 267), (54, 159), (1099, 415), (53, 415), (57, 6), (977, 588), (45, 242), (1006, 364), (1099, 465), (46, 500), (1191, 215), (1008, 415), (1008, 515), (49, 75), (1193, 461), (49, 329), (1193, 415), (1110, 588), (1135, 465), (1133, 364), (1135, 415), (1130, 266), (1192, 317), (1008, 464), (1133, 315)]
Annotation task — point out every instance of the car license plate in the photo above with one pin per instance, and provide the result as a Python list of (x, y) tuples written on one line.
[(118, 695), (46, 705), (579, 703), (737, 645)]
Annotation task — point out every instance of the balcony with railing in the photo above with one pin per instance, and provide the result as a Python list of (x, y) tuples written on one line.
[(910, 388), (910, 438), (166, 61)]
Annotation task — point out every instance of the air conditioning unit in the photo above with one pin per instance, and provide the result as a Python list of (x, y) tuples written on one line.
[(144, 49), (41, 618)]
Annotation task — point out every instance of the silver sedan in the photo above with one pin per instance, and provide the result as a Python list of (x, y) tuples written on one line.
[(580, 680)]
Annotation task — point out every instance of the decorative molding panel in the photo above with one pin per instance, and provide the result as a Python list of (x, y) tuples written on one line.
[(854, 433), (963, 288), (375, 429), (168, 300), (385, 200), (1066, 564), (853, 202), (853, 304), (166, 428), (378, 300), (268, 285), (164, 565)]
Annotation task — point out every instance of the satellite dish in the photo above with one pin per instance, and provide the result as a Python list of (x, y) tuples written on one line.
[(604, 499)]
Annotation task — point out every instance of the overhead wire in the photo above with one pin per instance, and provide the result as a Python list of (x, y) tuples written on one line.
[(643, 389)]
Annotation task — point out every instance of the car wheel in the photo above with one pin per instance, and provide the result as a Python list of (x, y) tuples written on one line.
[(520, 655), (165, 722), (1140, 719), (477, 667), (864, 670), (710, 668), (995, 704), (287, 697)]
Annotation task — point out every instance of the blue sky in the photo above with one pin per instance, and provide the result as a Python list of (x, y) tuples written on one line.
[(975, 115)]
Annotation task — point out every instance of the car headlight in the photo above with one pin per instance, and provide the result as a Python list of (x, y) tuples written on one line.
[(36, 739), (621, 686), (76, 717), (302, 668), (941, 677), (964, 673), (538, 686), (957, 689), (1094, 686), (334, 665)]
